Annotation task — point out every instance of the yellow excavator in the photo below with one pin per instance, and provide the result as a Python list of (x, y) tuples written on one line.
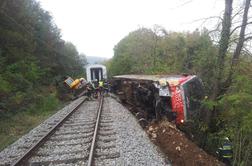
[(77, 85)]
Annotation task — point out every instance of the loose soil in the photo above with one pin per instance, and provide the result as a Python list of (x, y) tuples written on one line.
[(180, 150)]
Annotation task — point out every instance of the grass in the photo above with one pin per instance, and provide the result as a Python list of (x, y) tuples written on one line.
[(15, 125)]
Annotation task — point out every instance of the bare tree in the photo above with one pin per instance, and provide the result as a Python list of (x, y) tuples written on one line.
[(223, 46), (241, 39)]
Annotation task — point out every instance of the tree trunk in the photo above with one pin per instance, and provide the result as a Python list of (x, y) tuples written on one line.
[(223, 46), (239, 45)]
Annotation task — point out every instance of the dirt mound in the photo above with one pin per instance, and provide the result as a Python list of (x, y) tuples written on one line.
[(179, 149)]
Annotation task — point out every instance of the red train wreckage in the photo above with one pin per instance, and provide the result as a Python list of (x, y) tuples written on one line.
[(178, 97)]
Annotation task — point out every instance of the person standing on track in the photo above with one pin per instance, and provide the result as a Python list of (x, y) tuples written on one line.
[(106, 86), (101, 86)]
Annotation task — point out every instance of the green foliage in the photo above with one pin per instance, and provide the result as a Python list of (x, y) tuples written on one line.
[(154, 51), (236, 115), (32, 54), (13, 125), (4, 86), (33, 61), (45, 104), (232, 117)]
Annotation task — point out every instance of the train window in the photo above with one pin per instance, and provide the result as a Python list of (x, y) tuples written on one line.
[(69, 81), (194, 93)]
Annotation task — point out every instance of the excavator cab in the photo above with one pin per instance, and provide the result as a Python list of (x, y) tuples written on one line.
[(77, 85)]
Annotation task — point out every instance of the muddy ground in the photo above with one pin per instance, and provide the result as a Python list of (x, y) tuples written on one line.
[(178, 148), (172, 142)]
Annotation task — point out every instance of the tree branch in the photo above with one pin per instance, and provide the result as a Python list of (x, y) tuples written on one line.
[(239, 27), (208, 18), (246, 51), (238, 12), (216, 29), (247, 38)]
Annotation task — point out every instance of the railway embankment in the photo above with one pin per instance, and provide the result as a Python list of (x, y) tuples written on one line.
[(18, 122), (120, 139)]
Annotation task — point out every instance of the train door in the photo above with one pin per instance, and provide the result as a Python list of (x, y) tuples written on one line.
[(96, 73)]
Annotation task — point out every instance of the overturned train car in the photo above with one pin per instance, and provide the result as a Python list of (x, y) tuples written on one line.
[(176, 96)]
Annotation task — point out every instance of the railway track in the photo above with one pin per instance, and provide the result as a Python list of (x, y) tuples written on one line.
[(115, 138), (82, 137)]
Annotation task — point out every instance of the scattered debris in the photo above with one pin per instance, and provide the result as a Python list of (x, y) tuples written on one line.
[(179, 149)]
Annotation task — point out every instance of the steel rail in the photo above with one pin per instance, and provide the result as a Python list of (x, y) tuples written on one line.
[(21, 160), (91, 154)]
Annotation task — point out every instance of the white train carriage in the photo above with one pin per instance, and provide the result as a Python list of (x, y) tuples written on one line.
[(96, 72)]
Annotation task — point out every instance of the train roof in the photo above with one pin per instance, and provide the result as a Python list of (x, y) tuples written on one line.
[(169, 78), (95, 66)]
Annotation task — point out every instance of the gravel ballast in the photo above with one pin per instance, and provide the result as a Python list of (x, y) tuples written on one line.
[(120, 139), (132, 142), (75, 152)]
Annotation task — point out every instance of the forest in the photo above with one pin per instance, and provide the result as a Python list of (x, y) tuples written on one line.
[(33, 62), (220, 57)]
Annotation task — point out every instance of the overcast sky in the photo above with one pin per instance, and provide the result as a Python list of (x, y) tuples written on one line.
[(96, 26)]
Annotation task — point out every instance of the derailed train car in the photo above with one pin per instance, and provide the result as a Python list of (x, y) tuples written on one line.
[(176, 96), (96, 72)]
